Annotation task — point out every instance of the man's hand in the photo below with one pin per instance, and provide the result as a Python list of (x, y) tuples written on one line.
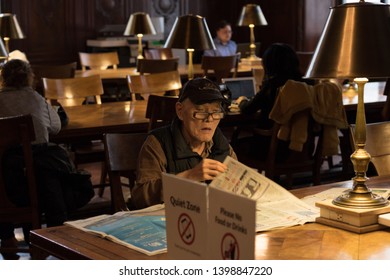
[(207, 169)]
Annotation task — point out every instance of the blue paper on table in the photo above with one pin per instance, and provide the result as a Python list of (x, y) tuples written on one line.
[(146, 234)]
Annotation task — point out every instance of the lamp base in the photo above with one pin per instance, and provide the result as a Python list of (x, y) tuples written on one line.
[(357, 220), (340, 225), (252, 61)]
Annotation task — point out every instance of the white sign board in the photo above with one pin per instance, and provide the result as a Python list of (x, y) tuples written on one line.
[(186, 218), (232, 222)]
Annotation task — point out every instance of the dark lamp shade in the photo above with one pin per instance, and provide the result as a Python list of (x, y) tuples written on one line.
[(9, 27), (251, 14), (355, 43), (190, 32), (139, 23)]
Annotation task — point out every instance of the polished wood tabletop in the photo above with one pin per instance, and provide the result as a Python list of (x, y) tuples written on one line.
[(311, 241), (93, 120), (121, 73), (90, 122)]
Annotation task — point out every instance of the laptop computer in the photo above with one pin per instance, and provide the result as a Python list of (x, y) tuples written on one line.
[(241, 86)]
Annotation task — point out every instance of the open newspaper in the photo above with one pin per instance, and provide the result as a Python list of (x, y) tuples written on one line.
[(276, 207), (141, 230)]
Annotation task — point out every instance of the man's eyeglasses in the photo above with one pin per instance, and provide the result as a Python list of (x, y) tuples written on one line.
[(205, 115)]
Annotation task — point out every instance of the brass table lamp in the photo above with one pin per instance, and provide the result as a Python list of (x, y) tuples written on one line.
[(190, 32), (10, 29), (355, 45), (139, 24), (251, 15)]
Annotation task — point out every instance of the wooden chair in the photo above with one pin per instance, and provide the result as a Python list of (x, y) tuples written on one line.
[(99, 61), (62, 71), (157, 65), (221, 67), (122, 157), (157, 84), (73, 91), (158, 53), (160, 110), (113, 88), (275, 164), (377, 145), (16, 131)]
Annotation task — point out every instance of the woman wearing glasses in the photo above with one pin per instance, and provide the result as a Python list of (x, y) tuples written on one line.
[(191, 147)]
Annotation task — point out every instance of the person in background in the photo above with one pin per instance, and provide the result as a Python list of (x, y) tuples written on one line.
[(191, 147), (17, 97), (224, 46), (51, 162), (280, 63)]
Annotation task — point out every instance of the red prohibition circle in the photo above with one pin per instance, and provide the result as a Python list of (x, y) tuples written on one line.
[(186, 229), (233, 252)]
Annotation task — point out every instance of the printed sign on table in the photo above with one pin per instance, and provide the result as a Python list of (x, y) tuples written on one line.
[(186, 217), (232, 223)]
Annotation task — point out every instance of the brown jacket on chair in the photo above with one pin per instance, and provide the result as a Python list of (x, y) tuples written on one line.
[(294, 104)]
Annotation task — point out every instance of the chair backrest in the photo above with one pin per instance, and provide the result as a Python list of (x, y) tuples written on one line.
[(158, 53), (377, 145), (73, 91), (220, 65), (121, 159), (158, 83), (18, 130), (278, 162), (62, 71), (160, 110), (157, 65), (98, 61)]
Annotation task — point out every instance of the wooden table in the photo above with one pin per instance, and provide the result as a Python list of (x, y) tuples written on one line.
[(121, 73), (310, 241), (90, 122)]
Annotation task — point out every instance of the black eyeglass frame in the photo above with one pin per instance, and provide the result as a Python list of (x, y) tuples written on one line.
[(220, 115)]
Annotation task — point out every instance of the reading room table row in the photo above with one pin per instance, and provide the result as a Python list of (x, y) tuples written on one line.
[(121, 73), (90, 122), (311, 241)]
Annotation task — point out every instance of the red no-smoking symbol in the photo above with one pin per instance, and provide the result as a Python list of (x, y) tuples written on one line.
[(186, 229)]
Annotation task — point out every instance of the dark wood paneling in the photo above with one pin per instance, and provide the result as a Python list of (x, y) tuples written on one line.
[(296, 22), (57, 30)]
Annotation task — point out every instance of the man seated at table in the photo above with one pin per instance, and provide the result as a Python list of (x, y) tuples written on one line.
[(224, 45), (191, 146)]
